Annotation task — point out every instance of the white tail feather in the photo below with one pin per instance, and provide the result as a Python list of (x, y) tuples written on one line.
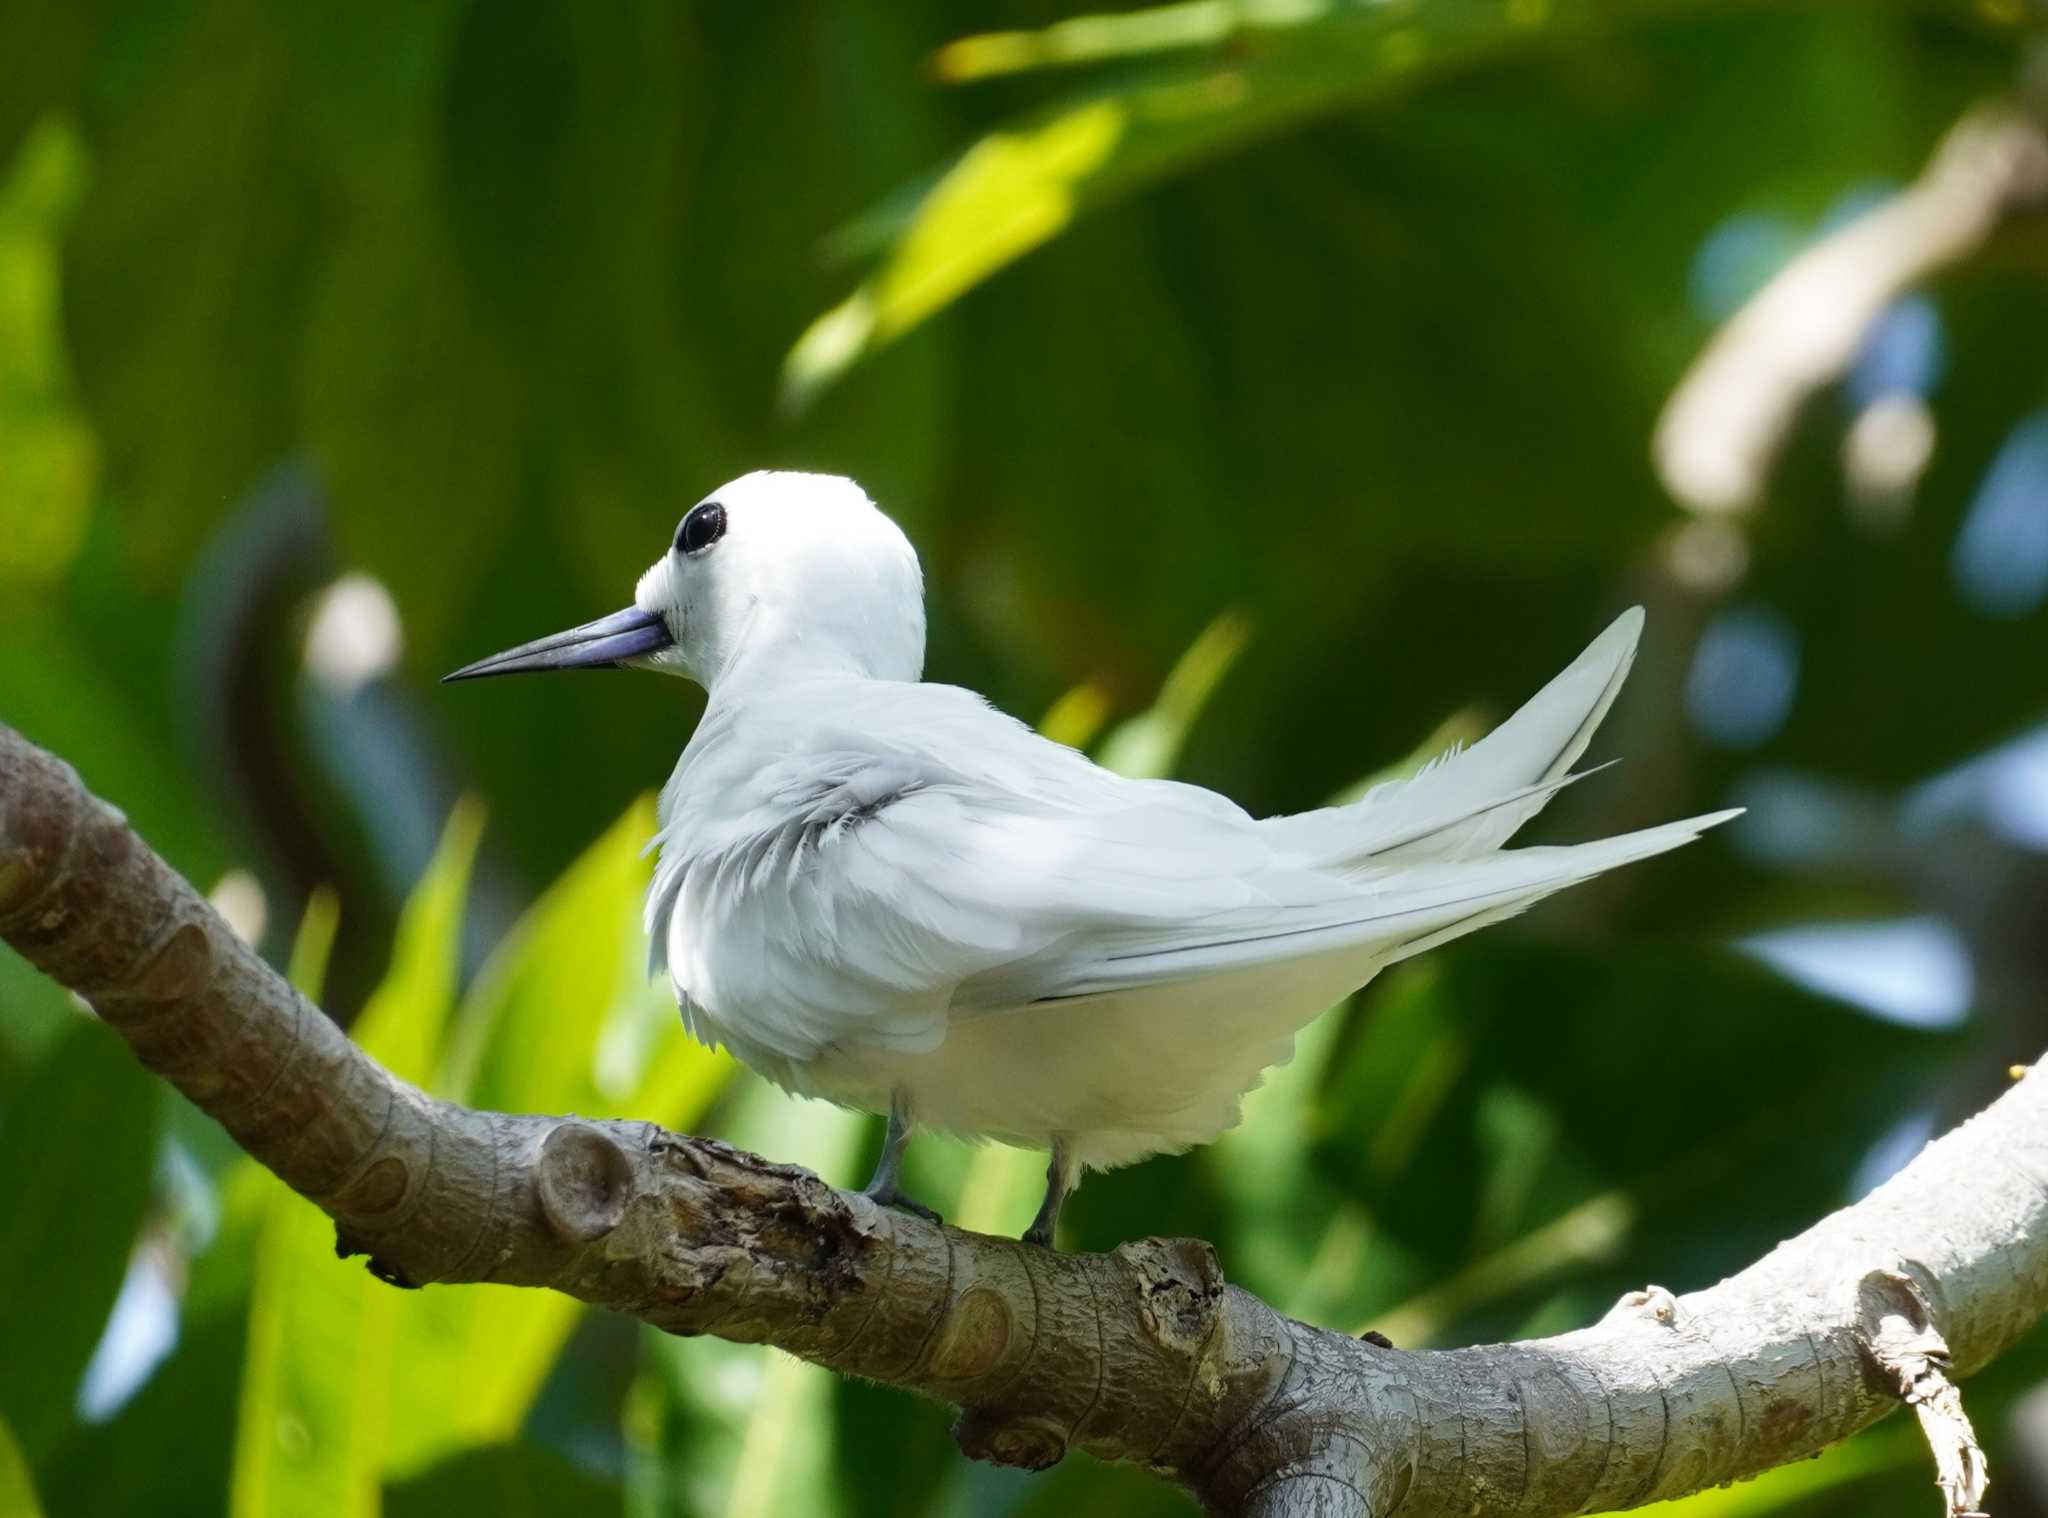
[(1471, 802)]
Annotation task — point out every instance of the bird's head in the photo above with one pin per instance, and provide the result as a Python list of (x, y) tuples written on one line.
[(776, 575)]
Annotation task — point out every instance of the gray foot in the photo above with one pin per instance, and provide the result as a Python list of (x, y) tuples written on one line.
[(889, 1196), (1060, 1176)]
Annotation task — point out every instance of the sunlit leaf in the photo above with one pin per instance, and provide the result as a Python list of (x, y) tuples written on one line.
[(313, 944), (562, 1020), (1889, 1452), (1236, 75), (1011, 192), (403, 1022), (49, 458), (17, 1486), (1077, 716), (310, 1434), (531, 1028), (315, 1410), (1148, 745), (77, 1151)]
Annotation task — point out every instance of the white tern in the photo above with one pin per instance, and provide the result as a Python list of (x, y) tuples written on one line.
[(888, 894)]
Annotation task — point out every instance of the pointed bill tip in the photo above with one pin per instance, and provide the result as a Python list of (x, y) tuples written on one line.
[(606, 643)]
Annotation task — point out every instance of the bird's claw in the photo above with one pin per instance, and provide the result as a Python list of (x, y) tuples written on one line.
[(889, 1196)]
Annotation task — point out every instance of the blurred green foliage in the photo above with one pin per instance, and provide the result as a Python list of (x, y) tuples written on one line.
[(1267, 385)]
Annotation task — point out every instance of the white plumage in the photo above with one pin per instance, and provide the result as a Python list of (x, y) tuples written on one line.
[(889, 895)]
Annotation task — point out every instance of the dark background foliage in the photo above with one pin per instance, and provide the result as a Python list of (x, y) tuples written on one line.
[(342, 345)]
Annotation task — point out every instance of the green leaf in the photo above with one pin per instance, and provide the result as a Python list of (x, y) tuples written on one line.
[(191, 399), (403, 1022), (17, 1487), (1489, 1117), (505, 1481), (1237, 76), (732, 1429), (34, 1012), (169, 1451), (310, 1433), (1890, 1451), (313, 1428), (313, 944), (562, 1019), (49, 459), (1148, 745), (77, 1154), (533, 1025)]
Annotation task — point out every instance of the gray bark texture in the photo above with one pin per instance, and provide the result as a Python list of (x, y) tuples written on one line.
[(1144, 1354)]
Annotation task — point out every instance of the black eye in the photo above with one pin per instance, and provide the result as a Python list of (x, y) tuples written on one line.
[(704, 526)]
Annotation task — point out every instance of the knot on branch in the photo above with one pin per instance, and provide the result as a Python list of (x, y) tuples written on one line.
[(1652, 1302), (974, 1338), (1027, 1441), (583, 1180), (36, 825), (1179, 1285), (1897, 1334)]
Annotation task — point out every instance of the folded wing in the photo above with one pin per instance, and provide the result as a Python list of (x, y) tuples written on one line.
[(869, 892)]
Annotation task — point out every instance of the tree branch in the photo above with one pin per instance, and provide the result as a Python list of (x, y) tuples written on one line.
[(1729, 415), (1143, 1354)]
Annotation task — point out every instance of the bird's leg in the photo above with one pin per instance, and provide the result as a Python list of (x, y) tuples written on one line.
[(882, 1188), (1060, 1176)]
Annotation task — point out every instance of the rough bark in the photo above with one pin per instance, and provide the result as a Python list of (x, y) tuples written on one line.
[(1143, 1354)]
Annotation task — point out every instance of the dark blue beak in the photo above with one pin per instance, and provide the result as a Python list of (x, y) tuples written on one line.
[(604, 644)]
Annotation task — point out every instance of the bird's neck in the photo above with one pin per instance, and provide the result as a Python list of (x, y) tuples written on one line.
[(771, 655)]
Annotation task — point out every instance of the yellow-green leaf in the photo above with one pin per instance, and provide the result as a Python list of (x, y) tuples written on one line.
[(313, 1429), (1008, 194), (49, 456), (531, 1027), (17, 1488), (313, 944), (310, 1434), (562, 1019), (1148, 745), (1212, 78), (403, 1022)]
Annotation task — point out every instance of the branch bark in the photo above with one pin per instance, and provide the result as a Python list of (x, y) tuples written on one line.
[(1729, 415), (1142, 1355)]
